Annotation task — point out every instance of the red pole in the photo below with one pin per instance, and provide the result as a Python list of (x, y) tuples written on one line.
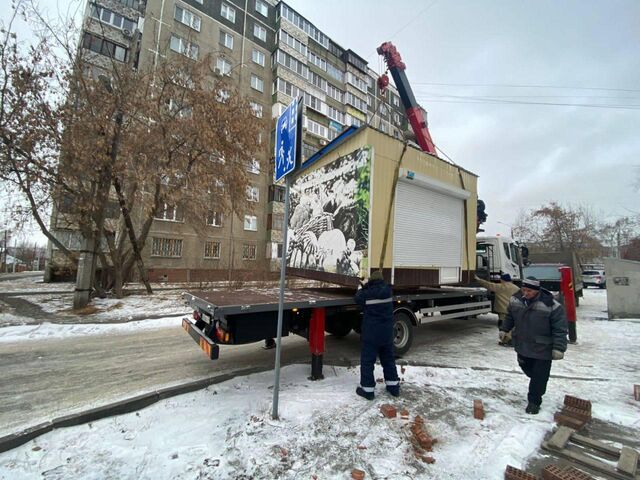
[(316, 342), (566, 287)]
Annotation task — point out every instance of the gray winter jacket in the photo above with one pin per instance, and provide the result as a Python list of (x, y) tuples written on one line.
[(540, 325)]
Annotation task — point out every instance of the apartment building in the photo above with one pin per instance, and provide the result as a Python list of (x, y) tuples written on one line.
[(272, 54)]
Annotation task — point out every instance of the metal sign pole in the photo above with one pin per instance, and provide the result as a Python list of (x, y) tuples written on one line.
[(283, 266)]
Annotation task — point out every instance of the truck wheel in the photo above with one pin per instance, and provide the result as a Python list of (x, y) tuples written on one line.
[(338, 327), (402, 333)]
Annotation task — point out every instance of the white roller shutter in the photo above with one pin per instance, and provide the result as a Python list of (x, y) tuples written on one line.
[(428, 229)]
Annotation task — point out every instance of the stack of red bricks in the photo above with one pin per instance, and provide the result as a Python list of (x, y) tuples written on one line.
[(550, 472), (575, 413), (422, 441)]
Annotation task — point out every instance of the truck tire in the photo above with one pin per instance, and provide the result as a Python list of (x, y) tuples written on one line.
[(339, 330), (338, 327), (402, 333)]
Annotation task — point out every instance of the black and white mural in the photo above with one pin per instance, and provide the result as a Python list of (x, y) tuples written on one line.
[(329, 217)]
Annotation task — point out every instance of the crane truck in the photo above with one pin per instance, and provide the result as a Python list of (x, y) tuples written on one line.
[(353, 204)]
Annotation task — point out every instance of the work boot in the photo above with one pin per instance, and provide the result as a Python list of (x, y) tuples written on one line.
[(394, 390), (532, 408), (368, 395)]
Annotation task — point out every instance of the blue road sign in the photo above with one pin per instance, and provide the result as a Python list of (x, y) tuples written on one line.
[(286, 134)]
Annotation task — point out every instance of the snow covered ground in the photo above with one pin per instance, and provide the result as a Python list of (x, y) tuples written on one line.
[(325, 430)]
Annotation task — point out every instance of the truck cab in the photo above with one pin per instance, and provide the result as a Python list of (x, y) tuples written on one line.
[(497, 254)]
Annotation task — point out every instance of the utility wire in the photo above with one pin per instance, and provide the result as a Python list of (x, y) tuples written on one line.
[(507, 85), (498, 101)]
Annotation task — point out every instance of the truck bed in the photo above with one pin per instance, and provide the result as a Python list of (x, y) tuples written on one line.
[(230, 302)]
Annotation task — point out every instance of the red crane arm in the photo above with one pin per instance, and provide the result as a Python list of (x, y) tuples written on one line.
[(414, 112)]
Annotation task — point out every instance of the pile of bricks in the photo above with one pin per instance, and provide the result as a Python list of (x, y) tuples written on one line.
[(422, 442), (575, 413), (550, 472), (478, 410)]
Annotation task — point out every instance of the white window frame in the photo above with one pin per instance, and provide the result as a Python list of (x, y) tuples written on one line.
[(184, 47), (258, 57), (228, 12), (251, 223), (257, 83), (222, 64), (214, 219), (259, 32), (262, 8), (253, 166), (253, 194), (256, 109), (215, 249), (188, 18), (169, 213), (226, 39)]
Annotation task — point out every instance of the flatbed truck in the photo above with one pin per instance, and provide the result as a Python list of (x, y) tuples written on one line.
[(235, 317)]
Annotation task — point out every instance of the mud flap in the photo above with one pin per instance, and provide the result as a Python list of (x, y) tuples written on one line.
[(210, 349)]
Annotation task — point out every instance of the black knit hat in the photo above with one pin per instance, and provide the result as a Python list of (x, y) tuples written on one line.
[(531, 282)]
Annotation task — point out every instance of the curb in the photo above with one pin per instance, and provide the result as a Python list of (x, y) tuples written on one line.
[(14, 440)]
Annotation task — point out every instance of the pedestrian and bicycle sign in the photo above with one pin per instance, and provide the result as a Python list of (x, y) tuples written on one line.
[(286, 138)]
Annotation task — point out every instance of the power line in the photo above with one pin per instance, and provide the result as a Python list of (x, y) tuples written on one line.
[(498, 101), (507, 85)]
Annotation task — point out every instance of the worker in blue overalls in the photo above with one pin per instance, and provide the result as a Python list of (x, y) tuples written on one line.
[(375, 299)]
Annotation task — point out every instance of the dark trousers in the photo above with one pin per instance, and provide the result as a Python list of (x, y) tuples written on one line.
[(368, 355), (538, 371)]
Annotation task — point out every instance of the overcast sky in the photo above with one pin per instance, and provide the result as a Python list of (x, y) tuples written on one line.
[(468, 62), (525, 155)]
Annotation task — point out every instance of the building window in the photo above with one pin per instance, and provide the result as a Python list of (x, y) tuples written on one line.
[(307, 150), (256, 109), (104, 47), (222, 96), (262, 8), (212, 250), (293, 42), (249, 252), (317, 61), (166, 247), (228, 12), (276, 193), (276, 222), (114, 19), (253, 194), (171, 213), (226, 39), (396, 118), (258, 57), (335, 72), (357, 82), (257, 83), (260, 32), (396, 100), (279, 250), (251, 223), (316, 128), (223, 66), (132, 3), (254, 166), (214, 218), (184, 47), (188, 18), (199, 1), (292, 64)]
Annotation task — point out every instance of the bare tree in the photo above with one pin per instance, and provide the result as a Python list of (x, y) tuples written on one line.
[(556, 228), (113, 146)]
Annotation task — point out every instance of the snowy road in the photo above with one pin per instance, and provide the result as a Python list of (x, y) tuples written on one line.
[(44, 378), (325, 430)]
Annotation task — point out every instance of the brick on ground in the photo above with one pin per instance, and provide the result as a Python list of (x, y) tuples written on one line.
[(513, 473), (567, 421), (357, 474), (389, 411), (478, 409), (571, 401)]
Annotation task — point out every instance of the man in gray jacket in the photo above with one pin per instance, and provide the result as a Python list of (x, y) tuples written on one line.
[(540, 336)]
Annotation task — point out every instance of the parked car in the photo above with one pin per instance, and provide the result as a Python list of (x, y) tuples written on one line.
[(549, 276), (594, 278)]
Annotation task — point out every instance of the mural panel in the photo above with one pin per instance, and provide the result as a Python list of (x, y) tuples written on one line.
[(329, 219)]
